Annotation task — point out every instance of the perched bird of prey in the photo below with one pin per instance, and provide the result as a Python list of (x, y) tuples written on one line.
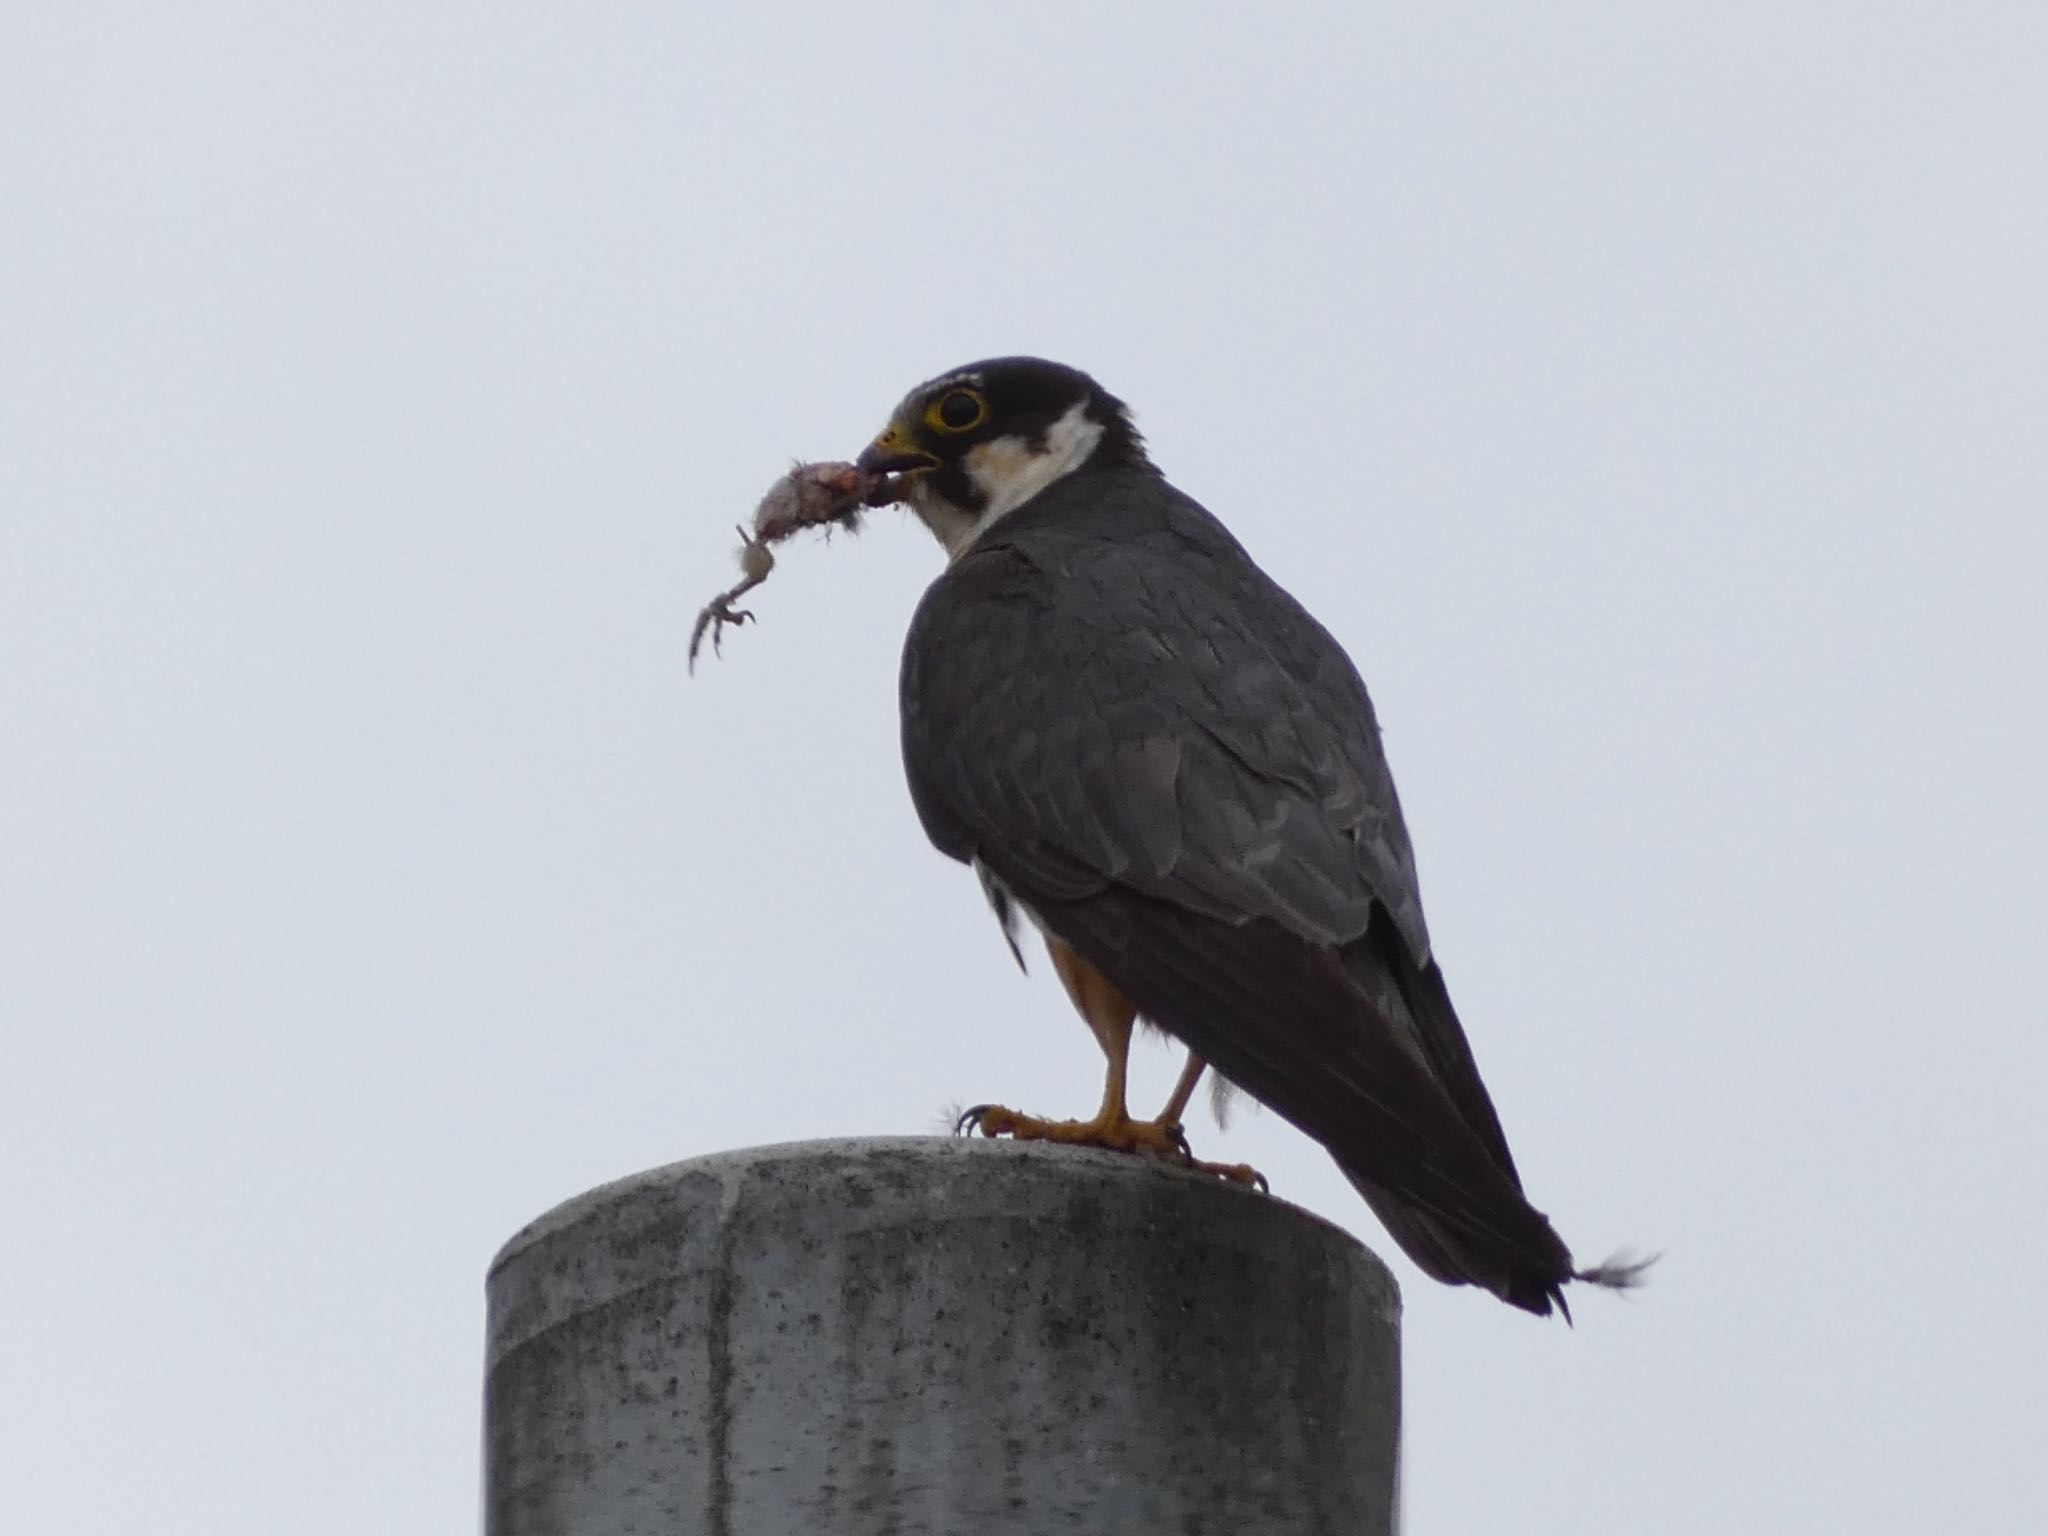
[(1153, 753)]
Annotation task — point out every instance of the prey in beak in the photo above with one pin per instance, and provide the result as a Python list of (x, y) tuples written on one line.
[(822, 495)]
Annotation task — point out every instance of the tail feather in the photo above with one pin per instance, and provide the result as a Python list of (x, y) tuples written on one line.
[(1520, 1259), (1361, 1049)]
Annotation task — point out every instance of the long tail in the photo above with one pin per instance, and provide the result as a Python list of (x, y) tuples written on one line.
[(1532, 1274), (1292, 1023), (1529, 1271)]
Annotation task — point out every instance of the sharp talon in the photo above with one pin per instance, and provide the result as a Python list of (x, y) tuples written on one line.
[(1235, 1173), (970, 1120)]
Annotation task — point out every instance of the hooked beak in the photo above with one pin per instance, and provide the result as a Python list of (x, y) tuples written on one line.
[(895, 452)]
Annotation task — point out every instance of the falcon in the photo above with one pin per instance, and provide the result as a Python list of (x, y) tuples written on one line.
[(1155, 756)]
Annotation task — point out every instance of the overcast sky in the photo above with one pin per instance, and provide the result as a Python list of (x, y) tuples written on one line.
[(1654, 399)]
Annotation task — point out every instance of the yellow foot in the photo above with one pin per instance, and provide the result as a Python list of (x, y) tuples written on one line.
[(1159, 1139), (1114, 1133)]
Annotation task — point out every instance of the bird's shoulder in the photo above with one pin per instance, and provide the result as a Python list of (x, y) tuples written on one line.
[(1098, 554)]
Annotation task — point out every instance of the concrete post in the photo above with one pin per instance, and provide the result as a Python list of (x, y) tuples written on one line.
[(937, 1336)]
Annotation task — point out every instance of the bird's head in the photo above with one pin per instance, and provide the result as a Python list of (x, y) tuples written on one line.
[(977, 443)]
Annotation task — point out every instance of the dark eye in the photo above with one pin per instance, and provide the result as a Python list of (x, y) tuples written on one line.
[(957, 410)]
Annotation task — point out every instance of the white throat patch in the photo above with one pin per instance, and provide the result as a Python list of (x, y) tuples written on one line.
[(1009, 471)]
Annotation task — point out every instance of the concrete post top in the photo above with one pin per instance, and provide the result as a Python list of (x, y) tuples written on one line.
[(878, 1181), (930, 1335)]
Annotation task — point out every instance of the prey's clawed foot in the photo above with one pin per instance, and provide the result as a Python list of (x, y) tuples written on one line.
[(717, 614), (755, 564)]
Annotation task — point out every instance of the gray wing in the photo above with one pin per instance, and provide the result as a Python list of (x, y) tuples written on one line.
[(1159, 713), (1169, 761)]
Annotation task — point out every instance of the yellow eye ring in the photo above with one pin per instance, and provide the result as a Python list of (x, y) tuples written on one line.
[(956, 411)]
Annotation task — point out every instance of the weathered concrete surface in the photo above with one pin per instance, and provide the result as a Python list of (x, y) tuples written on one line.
[(937, 1336)]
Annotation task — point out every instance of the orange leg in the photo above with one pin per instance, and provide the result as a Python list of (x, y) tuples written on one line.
[(1110, 1015), (1191, 1074), (1177, 1105)]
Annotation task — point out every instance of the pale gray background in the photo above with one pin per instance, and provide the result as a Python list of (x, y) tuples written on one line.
[(1655, 399)]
